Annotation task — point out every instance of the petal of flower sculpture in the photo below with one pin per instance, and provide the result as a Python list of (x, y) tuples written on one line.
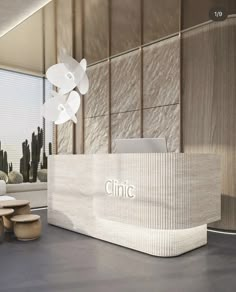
[(66, 76)]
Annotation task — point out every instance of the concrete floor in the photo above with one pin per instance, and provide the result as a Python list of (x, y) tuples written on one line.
[(66, 261)]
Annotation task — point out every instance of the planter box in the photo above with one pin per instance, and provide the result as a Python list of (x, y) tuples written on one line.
[(36, 193)]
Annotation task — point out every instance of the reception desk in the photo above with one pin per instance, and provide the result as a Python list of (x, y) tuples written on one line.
[(159, 204)]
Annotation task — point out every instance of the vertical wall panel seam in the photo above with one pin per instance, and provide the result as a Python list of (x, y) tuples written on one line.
[(44, 69), (73, 55), (141, 68), (109, 78), (181, 76), (56, 52), (83, 56), (54, 142)]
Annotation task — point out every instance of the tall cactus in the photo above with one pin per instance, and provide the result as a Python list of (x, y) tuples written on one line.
[(10, 167), (36, 146), (25, 161), (5, 163), (29, 163), (44, 165), (50, 148), (3, 160)]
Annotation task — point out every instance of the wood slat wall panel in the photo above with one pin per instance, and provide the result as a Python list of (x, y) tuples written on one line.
[(96, 28), (209, 103), (125, 25), (160, 19), (196, 12), (64, 22)]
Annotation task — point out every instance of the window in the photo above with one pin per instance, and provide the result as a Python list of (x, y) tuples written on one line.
[(21, 98)]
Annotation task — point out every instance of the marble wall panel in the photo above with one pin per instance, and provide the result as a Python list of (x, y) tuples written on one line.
[(97, 99), (125, 82), (96, 131), (125, 125), (163, 122), (161, 73), (65, 138)]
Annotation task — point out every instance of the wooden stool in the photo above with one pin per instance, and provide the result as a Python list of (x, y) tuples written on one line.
[(4, 212), (27, 227), (20, 207)]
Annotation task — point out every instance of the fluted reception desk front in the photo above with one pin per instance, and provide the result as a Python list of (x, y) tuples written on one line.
[(159, 204)]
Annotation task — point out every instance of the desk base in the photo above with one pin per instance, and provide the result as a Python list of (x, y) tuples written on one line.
[(156, 242), (162, 243)]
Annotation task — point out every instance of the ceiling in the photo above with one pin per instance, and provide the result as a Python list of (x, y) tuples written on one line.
[(13, 12)]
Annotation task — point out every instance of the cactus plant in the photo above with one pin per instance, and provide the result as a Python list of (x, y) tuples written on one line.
[(25, 161), (36, 146), (29, 167), (3, 161), (10, 167), (50, 148), (29, 161), (44, 165)]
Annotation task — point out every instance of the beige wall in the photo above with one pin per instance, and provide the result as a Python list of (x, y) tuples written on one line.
[(25, 48), (139, 63), (127, 98), (135, 84)]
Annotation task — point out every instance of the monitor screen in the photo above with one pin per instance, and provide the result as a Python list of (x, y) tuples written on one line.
[(141, 145)]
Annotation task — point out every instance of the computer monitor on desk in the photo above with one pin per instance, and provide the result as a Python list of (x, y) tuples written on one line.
[(141, 145)]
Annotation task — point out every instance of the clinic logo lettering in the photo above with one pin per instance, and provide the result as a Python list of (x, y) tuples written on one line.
[(114, 188)]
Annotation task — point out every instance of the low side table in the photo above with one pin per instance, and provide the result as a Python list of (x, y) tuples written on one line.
[(20, 207), (4, 212), (27, 227)]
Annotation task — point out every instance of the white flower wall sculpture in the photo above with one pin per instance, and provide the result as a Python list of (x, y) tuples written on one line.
[(65, 103)]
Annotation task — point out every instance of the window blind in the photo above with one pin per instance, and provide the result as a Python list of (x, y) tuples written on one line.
[(21, 98)]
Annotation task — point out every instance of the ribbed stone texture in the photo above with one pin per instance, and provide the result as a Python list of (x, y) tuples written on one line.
[(96, 135), (125, 125), (96, 100), (163, 122), (65, 138), (125, 82), (173, 197), (161, 73)]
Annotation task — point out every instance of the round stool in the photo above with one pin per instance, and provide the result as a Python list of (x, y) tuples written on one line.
[(4, 212), (20, 207), (27, 227)]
